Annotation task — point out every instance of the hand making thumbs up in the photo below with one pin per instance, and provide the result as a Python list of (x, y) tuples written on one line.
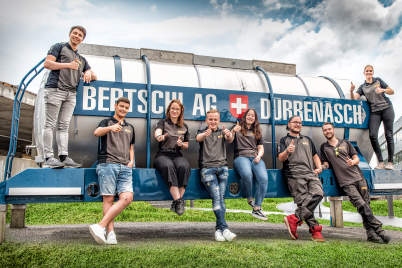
[(116, 128), (73, 65), (226, 132), (161, 137), (208, 132), (291, 148), (179, 142), (352, 87), (237, 128)]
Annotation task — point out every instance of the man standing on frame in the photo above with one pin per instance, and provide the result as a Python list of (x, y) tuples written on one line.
[(66, 67), (299, 156), (114, 169), (343, 159)]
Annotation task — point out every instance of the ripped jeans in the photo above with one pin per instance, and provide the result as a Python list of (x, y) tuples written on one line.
[(215, 180)]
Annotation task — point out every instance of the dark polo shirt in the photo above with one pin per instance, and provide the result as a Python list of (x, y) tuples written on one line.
[(345, 174), (212, 149), (300, 163), (245, 146), (174, 132), (115, 147), (66, 79), (378, 102)]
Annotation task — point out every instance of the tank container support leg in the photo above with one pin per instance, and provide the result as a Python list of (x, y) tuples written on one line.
[(18, 216), (3, 213), (390, 200), (144, 57), (336, 211)]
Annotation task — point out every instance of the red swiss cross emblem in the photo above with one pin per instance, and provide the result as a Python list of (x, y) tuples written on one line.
[(238, 105)]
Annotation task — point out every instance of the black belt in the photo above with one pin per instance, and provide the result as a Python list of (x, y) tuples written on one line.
[(169, 150)]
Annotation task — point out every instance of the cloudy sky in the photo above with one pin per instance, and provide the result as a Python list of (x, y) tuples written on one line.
[(335, 38)]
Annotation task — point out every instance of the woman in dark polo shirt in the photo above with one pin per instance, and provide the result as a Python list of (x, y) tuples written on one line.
[(173, 136), (248, 150), (381, 110)]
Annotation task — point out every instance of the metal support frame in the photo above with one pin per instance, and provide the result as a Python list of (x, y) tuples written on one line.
[(117, 69), (272, 104), (16, 117), (308, 94), (390, 201), (144, 57), (342, 96)]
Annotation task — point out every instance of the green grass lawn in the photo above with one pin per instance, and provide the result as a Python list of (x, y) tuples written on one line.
[(77, 213), (244, 253)]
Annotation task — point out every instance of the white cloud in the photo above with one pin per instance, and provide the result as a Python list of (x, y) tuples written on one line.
[(154, 8)]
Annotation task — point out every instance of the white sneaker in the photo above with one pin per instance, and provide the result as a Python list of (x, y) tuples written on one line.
[(111, 238), (228, 235), (98, 233), (219, 237)]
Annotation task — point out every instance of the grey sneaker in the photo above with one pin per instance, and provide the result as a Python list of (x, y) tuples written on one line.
[(375, 239), (257, 213), (53, 163), (69, 163), (385, 238), (380, 166), (389, 166)]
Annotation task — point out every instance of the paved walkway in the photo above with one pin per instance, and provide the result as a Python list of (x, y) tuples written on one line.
[(290, 207)]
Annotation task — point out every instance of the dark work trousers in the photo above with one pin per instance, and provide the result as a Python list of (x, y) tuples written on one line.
[(360, 198), (386, 116), (307, 194), (174, 168)]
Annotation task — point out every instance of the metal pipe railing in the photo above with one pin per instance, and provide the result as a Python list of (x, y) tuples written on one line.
[(144, 57)]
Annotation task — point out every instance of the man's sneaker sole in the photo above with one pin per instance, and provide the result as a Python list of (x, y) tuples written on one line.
[(285, 219), (54, 167), (318, 240), (98, 240), (259, 217), (111, 242), (65, 166)]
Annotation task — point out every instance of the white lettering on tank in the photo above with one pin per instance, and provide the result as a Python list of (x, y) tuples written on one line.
[(359, 112), (89, 98), (317, 112), (297, 109), (198, 105), (113, 97), (101, 98), (348, 120), (210, 98), (130, 97), (265, 108), (306, 111), (328, 113), (160, 108), (287, 109), (339, 118), (278, 105), (356, 114), (174, 97), (142, 94)]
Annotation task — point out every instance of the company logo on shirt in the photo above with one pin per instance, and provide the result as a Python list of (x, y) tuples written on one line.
[(238, 105), (129, 131), (181, 131), (305, 143), (220, 136)]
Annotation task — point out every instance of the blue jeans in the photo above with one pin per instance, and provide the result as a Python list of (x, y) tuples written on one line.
[(215, 180), (114, 176), (246, 168)]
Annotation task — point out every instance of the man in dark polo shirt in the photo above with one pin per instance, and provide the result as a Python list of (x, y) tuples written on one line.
[(214, 169), (301, 166), (66, 67), (114, 169), (342, 158)]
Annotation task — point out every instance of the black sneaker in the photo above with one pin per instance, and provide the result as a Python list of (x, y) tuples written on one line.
[(259, 215), (385, 238), (180, 206), (375, 239), (53, 163), (173, 206), (251, 203), (69, 163)]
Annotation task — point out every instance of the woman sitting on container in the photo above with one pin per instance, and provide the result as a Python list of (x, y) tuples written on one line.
[(173, 136), (248, 150), (374, 89)]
